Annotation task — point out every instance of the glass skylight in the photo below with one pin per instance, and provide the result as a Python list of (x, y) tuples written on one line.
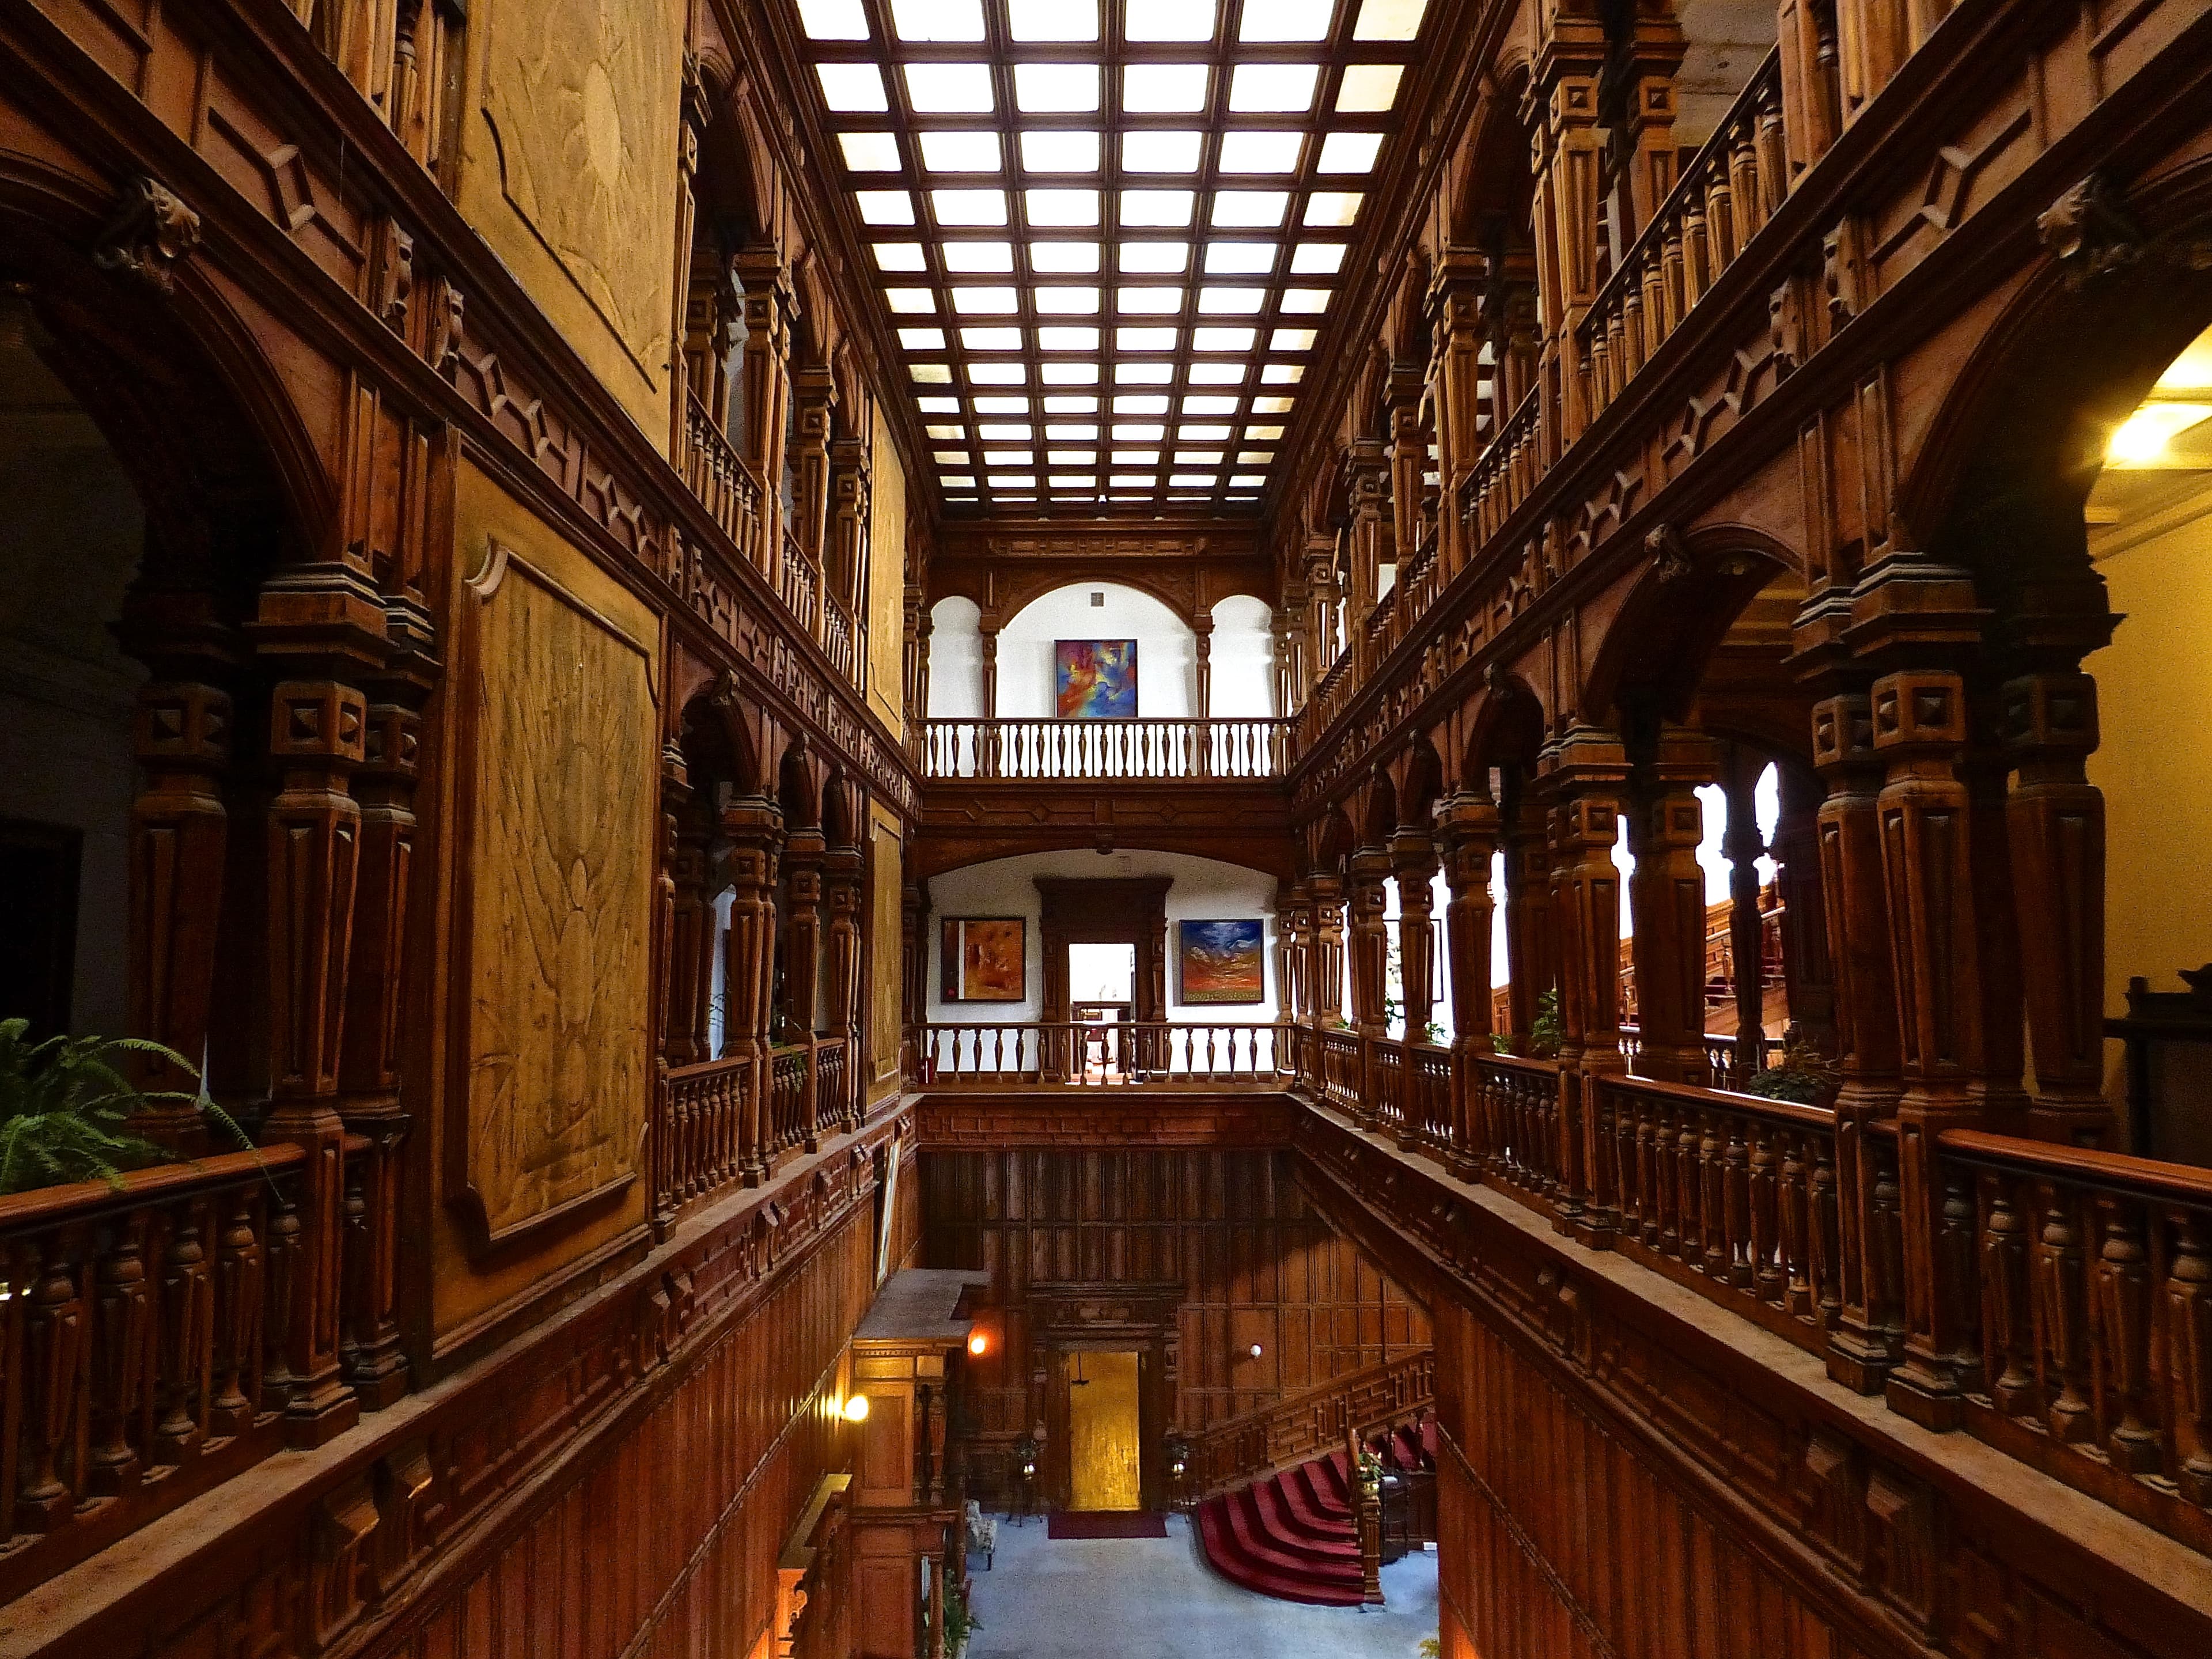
[(1133, 211)]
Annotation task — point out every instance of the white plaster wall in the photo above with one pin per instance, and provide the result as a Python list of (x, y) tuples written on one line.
[(1205, 890), (1243, 657), (1166, 649), (955, 660)]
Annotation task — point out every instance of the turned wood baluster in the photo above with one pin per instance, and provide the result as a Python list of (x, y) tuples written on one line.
[(55, 1332), (844, 877), (1824, 1245), (1767, 1270), (2187, 1315), (804, 851), (2124, 1328), (1689, 1186), (236, 1373), (1957, 1280), (753, 826), (1712, 1181), (2062, 1297), (1650, 1172), (1667, 1158), (122, 1371), (1796, 1296), (2009, 1317), (187, 1304)]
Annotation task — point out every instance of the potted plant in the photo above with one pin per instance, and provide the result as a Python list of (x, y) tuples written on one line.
[(66, 1106), (1547, 1033), (957, 1622), (1803, 1075)]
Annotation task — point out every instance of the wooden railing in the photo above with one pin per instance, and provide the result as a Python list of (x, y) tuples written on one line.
[(1088, 1053), (725, 485), (1726, 192), (1504, 473), (1343, 1077), (410, 75), (1255, 1443), (840, 638), (790, 1115), (800, 582), (1035, 748), (1512, 1110), (704, 1147), (1723, 1064), (146, 1330), (2079, 1284), (1740, 1192)]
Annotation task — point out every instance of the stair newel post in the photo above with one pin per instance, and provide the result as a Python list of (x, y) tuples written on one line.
[(1367, 1484)]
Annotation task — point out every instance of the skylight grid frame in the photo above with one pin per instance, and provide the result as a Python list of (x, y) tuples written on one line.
[(1110, 56)]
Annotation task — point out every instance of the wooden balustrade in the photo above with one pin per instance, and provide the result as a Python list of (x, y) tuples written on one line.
[(1725, 193), (406, 64), (1094, 1054), (143, 1332), (1383, 1091), (1739, 1193), (1513, 1107), (1504, 472), (833, 1083), (705, 1116), (1343, 1072), (1311, 1424), (1723, 1068), (841, 639), (790, 1121), (1037, 748), (2081, 1282), (725, 485), (800, 583)]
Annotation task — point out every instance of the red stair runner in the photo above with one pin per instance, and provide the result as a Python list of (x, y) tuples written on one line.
[(1292, 1535)]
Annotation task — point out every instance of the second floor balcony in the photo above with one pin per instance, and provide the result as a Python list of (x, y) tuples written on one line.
[(1018, 747)]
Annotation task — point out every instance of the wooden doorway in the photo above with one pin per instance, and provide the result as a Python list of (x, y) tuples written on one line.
[(1129, 910), (1104, 1430)]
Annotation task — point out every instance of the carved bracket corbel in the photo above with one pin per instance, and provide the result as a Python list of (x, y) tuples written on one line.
[(150, 230)]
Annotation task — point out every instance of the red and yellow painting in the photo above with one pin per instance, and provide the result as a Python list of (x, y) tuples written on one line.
[(982, 958), (1095, 679)]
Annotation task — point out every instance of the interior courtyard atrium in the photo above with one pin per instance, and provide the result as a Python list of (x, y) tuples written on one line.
[(1031, 829)]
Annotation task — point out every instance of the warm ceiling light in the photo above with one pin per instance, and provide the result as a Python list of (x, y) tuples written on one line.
[(979, 256), (960, 152), (1349, 152), (1278, 88), (983, 299), (856, 1408), (910, 300), (1368, 89), (884, 207), (1045, 88), (1052, 19), (950, 89), (969, 207), (833, 19), (1389, 20), (899, 256), (938, 20), (1261, 152), (1163, 89), (870, 152), (1334, 207), (2144, 437), (1250, 207), (1317, 259), (1286, 20), (847, 88), (1239, 258)]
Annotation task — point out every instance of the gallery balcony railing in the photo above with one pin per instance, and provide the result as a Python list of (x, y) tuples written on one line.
[(1088, 1053), (1097, 750)]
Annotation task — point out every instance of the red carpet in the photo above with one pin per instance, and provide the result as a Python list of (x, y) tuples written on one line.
[(1292, 1536), (1105, 1523)]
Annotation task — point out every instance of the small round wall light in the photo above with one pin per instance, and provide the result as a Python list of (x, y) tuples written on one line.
[(978, 1343), (1255, 1350), (856, 1408)]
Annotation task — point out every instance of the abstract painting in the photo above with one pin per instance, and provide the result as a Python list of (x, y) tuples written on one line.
[(1095, 679), (982, 958), (1221, 960)]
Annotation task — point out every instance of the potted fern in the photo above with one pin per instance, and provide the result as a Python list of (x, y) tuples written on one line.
[(66, 1106)]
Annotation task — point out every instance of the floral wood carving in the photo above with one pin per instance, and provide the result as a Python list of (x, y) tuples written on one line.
[(150, 231)]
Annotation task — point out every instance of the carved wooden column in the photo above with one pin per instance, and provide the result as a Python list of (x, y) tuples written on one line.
[(1588, 771), (769, 307), (754, 829), (1531, 931), (914, 976), (687, 374), (1864, 1344), (180, 842), (1201, 627), (2055, 822), (1409, 459), (1294, 990), (369, 1054), (845, 573), (844, 871), (1413, 862), (1874, 38), (1322, 646), (917, 625), (1328, 961), (1369, 465), (1456, 377), (322, 628), (1806, 968), (662, 1134), (1810, 117), (987, 740), (1568, 162), (814, 397), (1743, 846), (804, 851), (1645, 116), (1468, 823), (691, 937), (1368, 942), (1667, 891)]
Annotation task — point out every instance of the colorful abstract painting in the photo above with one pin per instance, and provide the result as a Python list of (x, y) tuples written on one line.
[(1222, 960), (1095, 679), (982, 958)]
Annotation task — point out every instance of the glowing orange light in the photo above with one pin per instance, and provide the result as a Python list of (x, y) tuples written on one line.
[(979, 1345)]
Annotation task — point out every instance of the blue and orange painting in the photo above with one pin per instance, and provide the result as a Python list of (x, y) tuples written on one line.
[(1221, 960), (1095, 679)]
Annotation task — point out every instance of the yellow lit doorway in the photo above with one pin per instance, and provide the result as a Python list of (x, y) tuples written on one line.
[(1102, 1430)]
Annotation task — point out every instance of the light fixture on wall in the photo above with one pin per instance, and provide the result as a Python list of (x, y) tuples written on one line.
[(1255, 1350), (856, 1408), (978, 1343)]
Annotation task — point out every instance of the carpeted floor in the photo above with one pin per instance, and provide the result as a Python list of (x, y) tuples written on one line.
[(1153, 1598)]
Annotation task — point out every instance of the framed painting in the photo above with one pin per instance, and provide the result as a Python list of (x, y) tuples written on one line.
[(984, 959), (1095, 679), (1222, 962)]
